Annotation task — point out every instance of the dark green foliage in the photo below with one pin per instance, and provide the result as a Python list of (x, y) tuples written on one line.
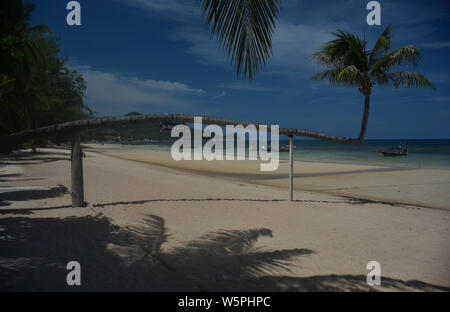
[(350, 62), (36, 87)]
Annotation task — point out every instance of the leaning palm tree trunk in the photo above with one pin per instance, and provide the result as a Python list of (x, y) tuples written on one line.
[(365, 120), (67, 127), (9, 141)]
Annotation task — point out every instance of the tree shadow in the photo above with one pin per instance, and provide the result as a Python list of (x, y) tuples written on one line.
[(28, 211), (363, 201), (30, 158), (34, 253), (348, 283), (3, 203), (37, 161), (25, 195), (6, 177), (146, 201)]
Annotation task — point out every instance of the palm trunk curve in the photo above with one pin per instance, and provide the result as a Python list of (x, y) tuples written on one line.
[(16, 139), (362, 134)]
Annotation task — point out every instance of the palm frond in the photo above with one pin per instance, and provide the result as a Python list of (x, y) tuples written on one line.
[(410, 80), (344, 51), (330, 75), (383, 45), (244, 29), (323, 59), (350, 75), (336, 49), (406, 55)]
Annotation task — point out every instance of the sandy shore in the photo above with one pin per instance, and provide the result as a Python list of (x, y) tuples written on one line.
[(420, 187), (168, 229)]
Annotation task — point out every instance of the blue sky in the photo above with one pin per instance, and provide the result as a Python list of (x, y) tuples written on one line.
[(156, 56)]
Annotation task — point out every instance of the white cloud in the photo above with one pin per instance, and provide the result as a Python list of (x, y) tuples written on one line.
[(175, 9), (246, 86), (437, 45), (165, 86), (204, 48), (219, 95), (110, 92), (294, 44)]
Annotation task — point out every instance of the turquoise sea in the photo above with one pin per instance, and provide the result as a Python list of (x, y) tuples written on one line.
[(422, 153)]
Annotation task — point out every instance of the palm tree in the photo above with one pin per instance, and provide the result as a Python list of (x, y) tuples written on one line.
[(19, 53), (244, 29), (350, 63)]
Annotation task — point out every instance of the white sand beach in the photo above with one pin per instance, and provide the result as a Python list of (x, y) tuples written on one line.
[(213, 233), (414, 186)]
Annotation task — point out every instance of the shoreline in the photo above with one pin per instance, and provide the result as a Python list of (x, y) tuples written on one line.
[(234, 178), (427, 188), (379, 161)]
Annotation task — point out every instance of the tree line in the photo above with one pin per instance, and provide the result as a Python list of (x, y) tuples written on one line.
[(37, 87)]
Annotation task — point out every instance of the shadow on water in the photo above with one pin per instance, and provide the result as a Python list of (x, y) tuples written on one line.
[(34, 253)]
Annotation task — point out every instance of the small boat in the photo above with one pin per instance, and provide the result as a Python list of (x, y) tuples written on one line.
[(282, 149), (286, 148), (394, 152)]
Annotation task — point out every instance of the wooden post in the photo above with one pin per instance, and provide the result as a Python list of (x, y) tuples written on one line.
[(291, 168), (77, 171)]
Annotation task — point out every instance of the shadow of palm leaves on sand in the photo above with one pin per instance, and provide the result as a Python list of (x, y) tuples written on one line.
[(150, 235), (35, 251), (214, 259), (221, 259), (228, 260)]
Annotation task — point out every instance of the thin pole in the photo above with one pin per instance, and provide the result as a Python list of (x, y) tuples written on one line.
[(291, 168), (77, 171)]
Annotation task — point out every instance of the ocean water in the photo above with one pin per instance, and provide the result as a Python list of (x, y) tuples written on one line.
[(429, 154), (421, 153)]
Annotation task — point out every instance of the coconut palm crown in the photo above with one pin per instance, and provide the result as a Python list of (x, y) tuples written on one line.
[(350, 63)]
